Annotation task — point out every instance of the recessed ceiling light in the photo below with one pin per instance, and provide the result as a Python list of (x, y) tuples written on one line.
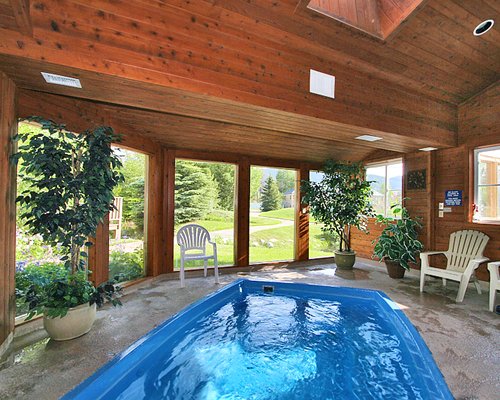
[(428, 148), (483, 27), (61, 80), (369, 138)]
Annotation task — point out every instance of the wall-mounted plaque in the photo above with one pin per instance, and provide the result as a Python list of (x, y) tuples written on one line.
[(416, 180)]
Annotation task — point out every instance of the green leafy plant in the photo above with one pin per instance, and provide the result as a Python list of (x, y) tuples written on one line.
[(340, 200), (57, 290), (398, 241), (69, 181), (126, 266)]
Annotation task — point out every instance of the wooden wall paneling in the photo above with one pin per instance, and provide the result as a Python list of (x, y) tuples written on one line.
[(242, 213), (479, 118), (98, 260), (8, 128), (301, 218), (169, 208)]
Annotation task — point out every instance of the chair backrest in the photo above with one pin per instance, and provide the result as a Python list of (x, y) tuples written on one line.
[(192, 237), (116, 213), (464, 247)]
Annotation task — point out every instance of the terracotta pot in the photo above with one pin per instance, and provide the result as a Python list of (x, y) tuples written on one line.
[(394, 269), (345, 259), (75, 323)]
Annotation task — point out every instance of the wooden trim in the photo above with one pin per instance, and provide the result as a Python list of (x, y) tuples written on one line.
[(169, 208), (152, 211), (301, 218), (99, 254), (8, 128), (242, 214), (431, 189)]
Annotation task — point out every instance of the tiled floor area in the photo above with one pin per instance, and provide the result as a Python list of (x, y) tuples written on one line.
[(464, 338)]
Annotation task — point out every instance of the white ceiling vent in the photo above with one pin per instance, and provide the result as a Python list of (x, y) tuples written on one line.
[(62, 80), (322, 84)]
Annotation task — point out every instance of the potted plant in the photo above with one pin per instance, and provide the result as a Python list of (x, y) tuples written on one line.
[(339, 201), (69, 190), (398, 245)]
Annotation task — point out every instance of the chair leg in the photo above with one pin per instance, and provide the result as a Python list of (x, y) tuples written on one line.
[(422, 281), (182, 272), (477, 285), (444, 282), (205, 265), (464, 282), (216, 270), (493, 293)]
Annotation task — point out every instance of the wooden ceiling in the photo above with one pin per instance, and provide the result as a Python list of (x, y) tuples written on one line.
[(379, 18), (246, 63)]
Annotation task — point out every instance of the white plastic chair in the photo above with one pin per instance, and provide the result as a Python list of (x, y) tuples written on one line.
[(464, 255), (494, 282), (195, 237)]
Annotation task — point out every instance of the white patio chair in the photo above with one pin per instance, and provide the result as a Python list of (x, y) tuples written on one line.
[(191, 238), (464, 255), (494, 282)]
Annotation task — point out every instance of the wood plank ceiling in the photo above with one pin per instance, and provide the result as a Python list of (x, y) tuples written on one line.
[(245, 64)]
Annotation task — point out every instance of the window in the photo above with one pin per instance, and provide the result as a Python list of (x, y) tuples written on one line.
[(204, 195), (387, 185), (321, 244), (127, 234), (272, 214), (487, 184)]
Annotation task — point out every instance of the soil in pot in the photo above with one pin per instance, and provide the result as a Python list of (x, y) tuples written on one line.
[(345, 259), (394, 269)]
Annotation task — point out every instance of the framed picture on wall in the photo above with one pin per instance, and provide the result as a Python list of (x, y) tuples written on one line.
[(416, 180)]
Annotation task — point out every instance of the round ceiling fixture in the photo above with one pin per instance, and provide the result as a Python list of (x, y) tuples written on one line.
[(483, 27)]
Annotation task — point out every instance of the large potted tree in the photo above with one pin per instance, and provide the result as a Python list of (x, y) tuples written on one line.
[(398, 244), (69, 180), (341, 200)]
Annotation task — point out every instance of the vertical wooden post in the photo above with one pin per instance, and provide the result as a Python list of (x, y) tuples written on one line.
[(99, 254), (155, 226), (169, 208), (431, 204), (242, 214), (301, 218), (8, 128)]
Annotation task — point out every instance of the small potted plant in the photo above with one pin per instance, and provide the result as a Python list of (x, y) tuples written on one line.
[(339, 201), (69, 190), (398, 244)]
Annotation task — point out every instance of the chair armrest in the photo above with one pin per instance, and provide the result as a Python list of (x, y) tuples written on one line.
[(480, 260), (424, 257), (493, 268), (474, 264), (432, 253)]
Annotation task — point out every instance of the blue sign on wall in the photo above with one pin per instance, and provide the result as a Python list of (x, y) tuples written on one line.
[(453, 198)]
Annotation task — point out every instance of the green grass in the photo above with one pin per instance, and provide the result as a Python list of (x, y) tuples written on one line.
[(282, 239), (222, 220), (282, 213)]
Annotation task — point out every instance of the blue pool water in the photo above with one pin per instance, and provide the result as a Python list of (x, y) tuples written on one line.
[(299, 342)]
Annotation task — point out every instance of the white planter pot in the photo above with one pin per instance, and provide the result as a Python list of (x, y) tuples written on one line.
[(75, 323)]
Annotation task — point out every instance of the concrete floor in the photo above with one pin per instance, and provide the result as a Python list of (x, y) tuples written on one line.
[(464, 338)]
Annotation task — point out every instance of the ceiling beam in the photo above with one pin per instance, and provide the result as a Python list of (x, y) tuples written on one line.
[(21, 11)]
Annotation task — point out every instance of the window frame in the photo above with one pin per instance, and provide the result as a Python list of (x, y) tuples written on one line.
[(386, 164), (476, 185)]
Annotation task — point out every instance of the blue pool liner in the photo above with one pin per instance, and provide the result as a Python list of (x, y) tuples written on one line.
[(429, 378)]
